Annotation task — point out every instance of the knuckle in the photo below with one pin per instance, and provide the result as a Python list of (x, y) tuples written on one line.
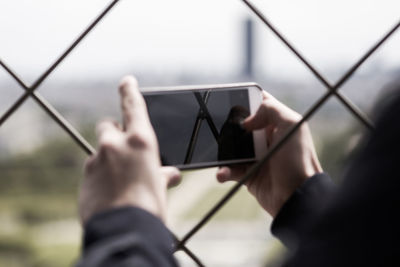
[(139, 140), (106, 146)]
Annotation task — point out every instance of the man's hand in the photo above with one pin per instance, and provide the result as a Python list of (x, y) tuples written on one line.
[(127, 169), (289, 167)]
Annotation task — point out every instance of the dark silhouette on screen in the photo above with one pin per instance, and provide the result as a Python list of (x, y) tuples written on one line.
[(234, 142)]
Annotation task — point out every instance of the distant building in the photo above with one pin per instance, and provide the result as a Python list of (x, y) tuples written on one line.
[(249, 42)]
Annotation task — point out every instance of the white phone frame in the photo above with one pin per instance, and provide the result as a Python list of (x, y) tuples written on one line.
[(255, 100)]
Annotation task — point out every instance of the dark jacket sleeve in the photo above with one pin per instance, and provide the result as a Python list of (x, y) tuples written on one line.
[(126, 237), (360, 225), (302, 208)]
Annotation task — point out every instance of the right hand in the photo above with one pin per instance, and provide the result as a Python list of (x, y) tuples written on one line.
[(126, 171), (288, 168)]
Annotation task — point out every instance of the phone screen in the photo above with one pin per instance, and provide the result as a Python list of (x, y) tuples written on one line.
[(201, 127)]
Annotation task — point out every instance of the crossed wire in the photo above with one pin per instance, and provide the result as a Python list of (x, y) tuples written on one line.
[(53, 113), (203, 114), (30, 91), (332, 90)]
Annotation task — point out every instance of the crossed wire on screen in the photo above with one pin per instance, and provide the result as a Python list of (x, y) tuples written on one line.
[(333, 90), (203, 114)]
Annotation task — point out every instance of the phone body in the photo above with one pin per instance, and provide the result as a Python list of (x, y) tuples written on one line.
[(199, 126)]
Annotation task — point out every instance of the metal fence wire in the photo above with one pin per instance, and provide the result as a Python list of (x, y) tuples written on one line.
[(333, 90)]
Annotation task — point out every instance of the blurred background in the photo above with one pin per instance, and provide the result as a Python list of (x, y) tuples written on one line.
[(175, 42)]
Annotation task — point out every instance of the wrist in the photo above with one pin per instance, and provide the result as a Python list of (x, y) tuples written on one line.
[(148, 200), (90, 206), (289, 189)]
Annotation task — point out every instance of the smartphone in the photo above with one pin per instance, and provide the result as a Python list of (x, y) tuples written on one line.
[(200, 126)]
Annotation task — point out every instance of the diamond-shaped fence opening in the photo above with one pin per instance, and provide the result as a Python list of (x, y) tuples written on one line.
[(332, 90)]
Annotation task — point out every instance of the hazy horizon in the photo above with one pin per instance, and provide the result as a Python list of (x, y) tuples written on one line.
[(180, 36)]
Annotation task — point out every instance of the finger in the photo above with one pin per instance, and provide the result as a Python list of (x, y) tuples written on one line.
[(232, 173), (107, 121), (173, 176), (134, 110), (266, 95), (223, 174), (109, 135), (263, 117), (271, 113)]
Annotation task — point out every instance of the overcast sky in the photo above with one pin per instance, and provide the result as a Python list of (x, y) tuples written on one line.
[(187, 35)]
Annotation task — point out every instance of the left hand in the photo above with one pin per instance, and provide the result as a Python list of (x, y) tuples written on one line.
[(126, 171), (288, 168)]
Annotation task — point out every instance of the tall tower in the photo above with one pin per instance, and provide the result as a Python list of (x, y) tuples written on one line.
[(248, 64)]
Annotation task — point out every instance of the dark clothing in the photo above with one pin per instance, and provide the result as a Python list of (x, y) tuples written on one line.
[(359, 225), (307, 202), (126, 237), (354, 225)]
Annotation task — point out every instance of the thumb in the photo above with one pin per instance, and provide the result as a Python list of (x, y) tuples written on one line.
[(265, 116)]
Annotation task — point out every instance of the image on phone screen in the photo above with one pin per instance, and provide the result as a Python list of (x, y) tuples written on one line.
[(203, 126)]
